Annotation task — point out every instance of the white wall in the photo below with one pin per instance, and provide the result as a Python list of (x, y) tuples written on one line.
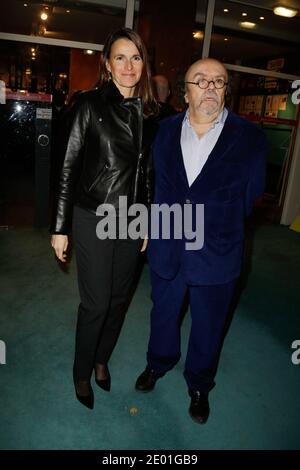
[(291, 207)]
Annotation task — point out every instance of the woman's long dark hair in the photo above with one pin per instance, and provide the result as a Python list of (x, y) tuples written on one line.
[(143, 88)]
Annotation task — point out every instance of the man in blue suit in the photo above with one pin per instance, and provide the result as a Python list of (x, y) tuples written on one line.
[(207, 155)]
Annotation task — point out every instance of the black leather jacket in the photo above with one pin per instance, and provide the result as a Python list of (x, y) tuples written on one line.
[(107, 155)]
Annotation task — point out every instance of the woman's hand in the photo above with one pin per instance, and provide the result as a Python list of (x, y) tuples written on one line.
[(145, 243), (60, 245)]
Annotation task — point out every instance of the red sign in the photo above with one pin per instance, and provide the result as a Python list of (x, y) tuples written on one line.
[(10, 95)]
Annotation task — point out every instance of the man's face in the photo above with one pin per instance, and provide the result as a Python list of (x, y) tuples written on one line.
[(208, 101)]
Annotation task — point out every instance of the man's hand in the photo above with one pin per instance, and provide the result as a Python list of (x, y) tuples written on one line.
[(60, 245)]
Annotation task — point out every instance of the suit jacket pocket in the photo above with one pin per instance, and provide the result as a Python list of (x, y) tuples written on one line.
[(225, 195)]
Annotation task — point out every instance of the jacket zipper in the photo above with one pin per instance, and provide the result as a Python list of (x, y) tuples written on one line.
[(138, 167)]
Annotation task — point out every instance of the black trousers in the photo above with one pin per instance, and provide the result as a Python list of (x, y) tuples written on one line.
[(106, 271)]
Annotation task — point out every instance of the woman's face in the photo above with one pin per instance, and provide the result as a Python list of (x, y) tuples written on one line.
[(125, 65)]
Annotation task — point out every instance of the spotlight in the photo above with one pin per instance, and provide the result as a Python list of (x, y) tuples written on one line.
[(283, 11), (247, 24), (198, 34)]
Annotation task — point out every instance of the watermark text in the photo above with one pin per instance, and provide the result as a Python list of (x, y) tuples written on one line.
[(164, 222), (296, 94), (2, 352), (296, 354)]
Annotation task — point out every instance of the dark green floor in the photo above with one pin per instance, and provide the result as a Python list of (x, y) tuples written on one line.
[(255, 404)]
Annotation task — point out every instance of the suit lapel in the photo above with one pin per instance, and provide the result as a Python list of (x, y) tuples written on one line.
[(178, 152), (226, 140)]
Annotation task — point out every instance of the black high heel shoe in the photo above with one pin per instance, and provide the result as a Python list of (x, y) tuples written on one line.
[(104, 383), (86, 400)]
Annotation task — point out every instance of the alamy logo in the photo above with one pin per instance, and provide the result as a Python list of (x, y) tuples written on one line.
[(296, 354), (2, 352), (296, 94), (176, 221)]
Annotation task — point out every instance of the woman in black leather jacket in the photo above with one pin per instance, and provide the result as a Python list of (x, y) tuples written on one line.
[(106, 156)]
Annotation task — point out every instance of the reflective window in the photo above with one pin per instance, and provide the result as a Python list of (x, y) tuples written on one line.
[(34, 67), (255, 37), (198, 32), (84, 20)]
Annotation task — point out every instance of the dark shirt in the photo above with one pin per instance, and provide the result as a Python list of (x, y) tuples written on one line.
[(165, 110)]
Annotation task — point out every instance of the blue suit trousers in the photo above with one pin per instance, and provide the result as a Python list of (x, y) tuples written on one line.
[(208, 307)]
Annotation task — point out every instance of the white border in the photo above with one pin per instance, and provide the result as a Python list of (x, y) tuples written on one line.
[(50, 41)]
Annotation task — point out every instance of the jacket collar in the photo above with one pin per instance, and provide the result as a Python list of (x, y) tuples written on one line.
[(110, 93), (231, 130)]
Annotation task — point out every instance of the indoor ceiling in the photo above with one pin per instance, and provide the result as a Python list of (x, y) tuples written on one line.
[(79, 4), (273, 36), (75, 20), (272, 26), (269, 4), (92, 20)]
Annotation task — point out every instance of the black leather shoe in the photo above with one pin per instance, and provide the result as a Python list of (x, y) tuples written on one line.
[(104, 383), (199, 407), (147, 380), (86, 400)]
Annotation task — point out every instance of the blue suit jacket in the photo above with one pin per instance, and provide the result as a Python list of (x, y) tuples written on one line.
[(230, 181)]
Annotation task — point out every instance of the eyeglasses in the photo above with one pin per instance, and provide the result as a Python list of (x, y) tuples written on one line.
[(203, 83)]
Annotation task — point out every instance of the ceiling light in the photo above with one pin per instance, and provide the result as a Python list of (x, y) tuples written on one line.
[(68, 11), (44, 16), (226, 10), (247, 24), (89, 52), (283, 11), (225, 39), (244, 14), (261, 17), (198, 35), (25, 4)]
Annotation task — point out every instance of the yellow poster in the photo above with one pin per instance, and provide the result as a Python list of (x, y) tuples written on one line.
[(242, 105), (282, 102), (268, 106), (259, 102), (275, 105)]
